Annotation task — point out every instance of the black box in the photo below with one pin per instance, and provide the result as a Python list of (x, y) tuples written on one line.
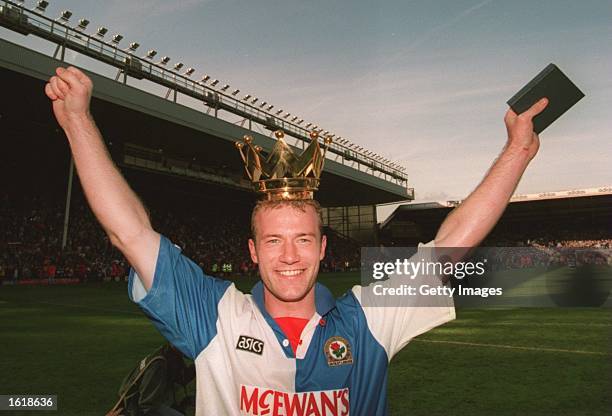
[(553, 84)]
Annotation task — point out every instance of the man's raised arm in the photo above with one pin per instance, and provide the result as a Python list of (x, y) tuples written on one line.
[(113, 202), (467, 225)]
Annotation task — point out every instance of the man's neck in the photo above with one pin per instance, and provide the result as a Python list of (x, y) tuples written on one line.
[(304, 308)]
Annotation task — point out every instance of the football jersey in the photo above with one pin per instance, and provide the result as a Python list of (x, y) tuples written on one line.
[(244, 363)]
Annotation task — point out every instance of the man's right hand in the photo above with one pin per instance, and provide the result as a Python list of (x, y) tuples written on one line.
[(115, 205), (70, 90)]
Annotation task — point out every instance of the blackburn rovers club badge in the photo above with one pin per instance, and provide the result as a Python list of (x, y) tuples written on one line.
[(338, 351)]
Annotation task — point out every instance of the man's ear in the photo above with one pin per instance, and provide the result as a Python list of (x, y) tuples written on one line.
[(252, 250), (323, 245)]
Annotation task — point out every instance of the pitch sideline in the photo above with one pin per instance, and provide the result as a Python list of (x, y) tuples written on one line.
[(513, 347)]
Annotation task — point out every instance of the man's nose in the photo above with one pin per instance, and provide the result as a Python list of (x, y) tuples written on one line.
[(289, 254)]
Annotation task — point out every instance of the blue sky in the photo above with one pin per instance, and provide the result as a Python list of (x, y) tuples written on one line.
[(423, 83)]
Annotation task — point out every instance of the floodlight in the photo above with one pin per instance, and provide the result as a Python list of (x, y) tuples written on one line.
[(82, 24), (133, 46), (189, 72), (279, 112), (65, 16), (215, 82), (235, 92), (41, 6), (308, 125), (270, 107), (178, 66), (294, 118), (225, 87), (151, 54), (101, 31), (254, 100), (205, 78), (164, 60), (246, 97), (117, 38), (300, 121), (263, 104), (286, 115)]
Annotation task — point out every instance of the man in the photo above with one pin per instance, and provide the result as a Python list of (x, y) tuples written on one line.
[(289, 348)]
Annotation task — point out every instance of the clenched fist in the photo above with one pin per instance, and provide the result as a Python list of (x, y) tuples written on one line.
[(520, 129), (70, 90)]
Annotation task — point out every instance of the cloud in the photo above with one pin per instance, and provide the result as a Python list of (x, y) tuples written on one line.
[(441, 28), (137, 17), (435, 196), (426, 36), (152, 8)]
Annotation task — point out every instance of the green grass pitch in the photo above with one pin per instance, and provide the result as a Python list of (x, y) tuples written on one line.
[(79, 342)]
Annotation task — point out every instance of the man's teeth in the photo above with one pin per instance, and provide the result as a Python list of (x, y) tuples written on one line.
[(290, 272)]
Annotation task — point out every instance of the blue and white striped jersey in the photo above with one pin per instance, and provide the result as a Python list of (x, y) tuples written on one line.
[(245, 364)]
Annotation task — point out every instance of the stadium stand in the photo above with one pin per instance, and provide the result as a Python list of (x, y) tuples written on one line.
[(578, 218), (210, 221), (32, 230)]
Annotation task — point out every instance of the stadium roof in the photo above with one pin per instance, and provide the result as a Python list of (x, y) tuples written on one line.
[(123, 111), (594, 204), (573, 193)]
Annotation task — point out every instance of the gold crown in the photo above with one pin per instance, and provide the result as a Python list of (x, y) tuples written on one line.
[(283, 175)]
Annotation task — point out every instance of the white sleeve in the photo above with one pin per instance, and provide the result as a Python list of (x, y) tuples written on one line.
[(395, 325)]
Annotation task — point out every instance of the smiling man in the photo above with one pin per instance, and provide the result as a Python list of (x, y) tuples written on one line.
[(288, 249), (289, 347)]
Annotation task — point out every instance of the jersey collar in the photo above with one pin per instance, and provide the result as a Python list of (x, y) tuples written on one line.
[(324, 300)]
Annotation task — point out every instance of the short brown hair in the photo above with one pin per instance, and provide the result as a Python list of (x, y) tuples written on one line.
[(299, 204)]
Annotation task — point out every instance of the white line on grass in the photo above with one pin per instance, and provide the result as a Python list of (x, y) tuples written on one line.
[(513, 347), (473, 344), (95, 308), (527, 323)]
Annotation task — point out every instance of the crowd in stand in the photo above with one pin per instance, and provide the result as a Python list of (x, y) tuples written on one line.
[(32, 243), (549, 246), (32, 229), (571, 236)]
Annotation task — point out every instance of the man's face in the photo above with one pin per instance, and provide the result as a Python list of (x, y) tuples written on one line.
[(288, 249)]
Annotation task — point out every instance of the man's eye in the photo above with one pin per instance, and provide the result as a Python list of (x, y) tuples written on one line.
[(304, 240), (273, 241)]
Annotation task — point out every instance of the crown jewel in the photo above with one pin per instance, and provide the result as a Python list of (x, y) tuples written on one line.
[(283, 175)]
